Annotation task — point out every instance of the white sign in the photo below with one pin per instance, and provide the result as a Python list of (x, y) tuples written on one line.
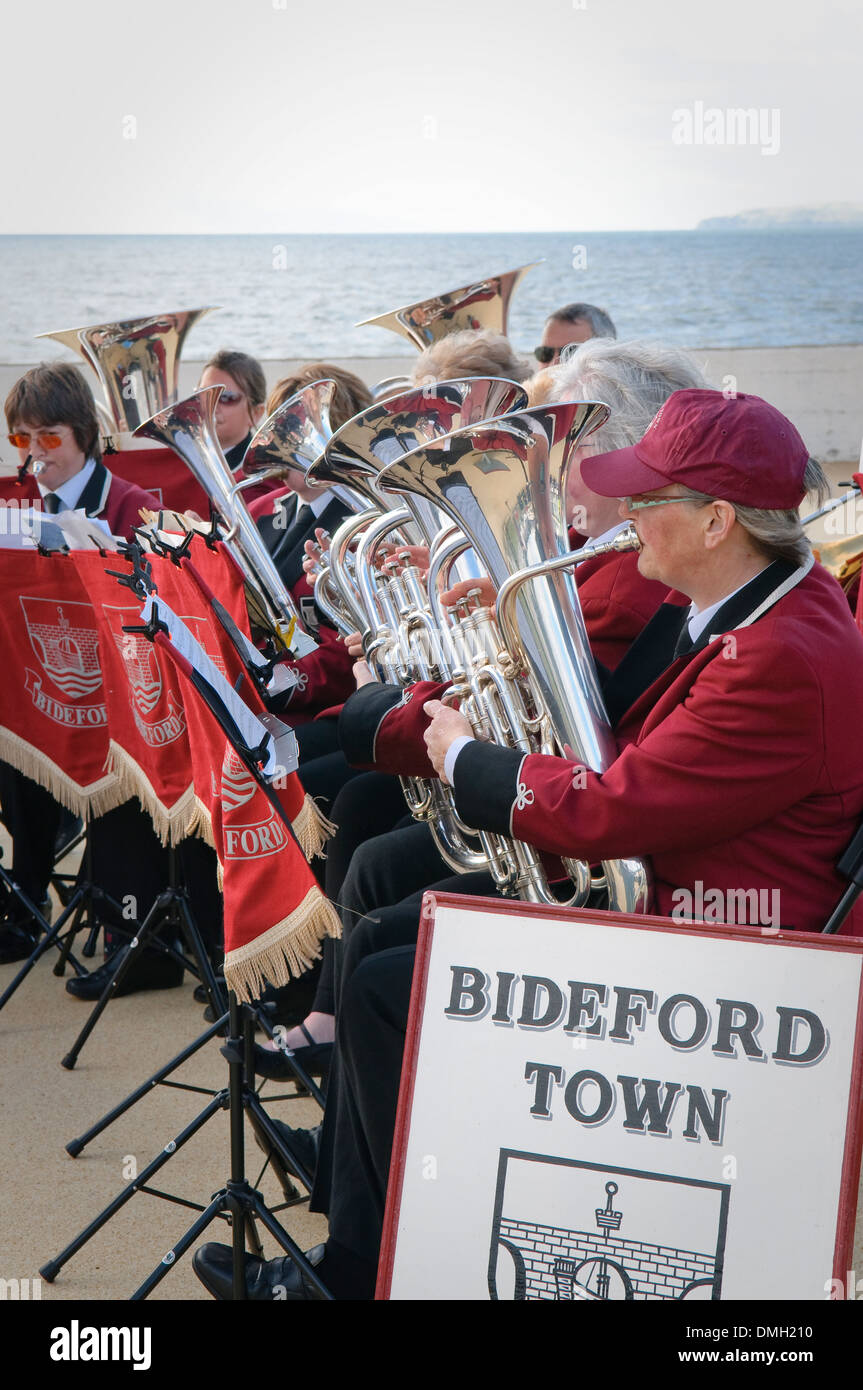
[(608, 1107)]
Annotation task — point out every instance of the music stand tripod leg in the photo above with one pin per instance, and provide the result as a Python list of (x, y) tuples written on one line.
[(75, 1146), (50, 1270), (238, 1198), (162, 909), (50, 938)]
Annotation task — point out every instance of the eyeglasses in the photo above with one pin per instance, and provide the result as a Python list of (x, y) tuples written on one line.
[(544, 354), (231, 398), (22, 439), (653, 502)]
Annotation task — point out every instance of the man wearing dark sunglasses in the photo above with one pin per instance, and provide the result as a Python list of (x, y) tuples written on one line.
[(52, 422), (574, 323)]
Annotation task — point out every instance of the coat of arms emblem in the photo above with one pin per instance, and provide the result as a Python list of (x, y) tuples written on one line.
[(65, 639)]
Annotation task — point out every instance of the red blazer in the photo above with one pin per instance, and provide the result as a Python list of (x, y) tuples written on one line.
[(382, 727), (106, 496), (265, 504), (326, 675), (739, 767), (122, 505)]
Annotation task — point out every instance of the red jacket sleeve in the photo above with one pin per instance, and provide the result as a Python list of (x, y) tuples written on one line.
[(382, 727), (725, 759), (326, 676)]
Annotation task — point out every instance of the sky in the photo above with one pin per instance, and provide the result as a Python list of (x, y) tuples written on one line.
[(443, 115)]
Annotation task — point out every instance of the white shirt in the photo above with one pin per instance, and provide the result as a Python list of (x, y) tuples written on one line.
[(697, 620), (320, 502), (70, 491)]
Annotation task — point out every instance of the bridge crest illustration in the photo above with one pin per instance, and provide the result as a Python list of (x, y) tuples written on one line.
[(633, 1235)]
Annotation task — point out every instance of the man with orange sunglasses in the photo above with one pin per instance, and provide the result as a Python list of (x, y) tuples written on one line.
[(52, 422)]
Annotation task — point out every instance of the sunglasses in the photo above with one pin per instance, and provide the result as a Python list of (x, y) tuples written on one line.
[(652, 502), (231, 398), (22, 439), (544, 354)]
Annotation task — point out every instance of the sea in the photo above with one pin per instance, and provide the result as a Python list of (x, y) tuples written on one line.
[(302, 296)]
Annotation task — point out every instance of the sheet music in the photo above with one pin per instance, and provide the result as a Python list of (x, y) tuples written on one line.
[(252, 731), (23, 528)]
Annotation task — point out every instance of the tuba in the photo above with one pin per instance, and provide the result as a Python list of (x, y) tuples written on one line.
[(482, 304), (137, 362), (504, 484), (189, 429)]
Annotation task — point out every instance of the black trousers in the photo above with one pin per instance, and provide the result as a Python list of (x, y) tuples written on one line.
[(371, 1018), (32, 817), (132, 866), (368, 805)]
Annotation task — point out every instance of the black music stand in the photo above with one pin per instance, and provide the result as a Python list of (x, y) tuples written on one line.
[(76, 913), (237, 1201)]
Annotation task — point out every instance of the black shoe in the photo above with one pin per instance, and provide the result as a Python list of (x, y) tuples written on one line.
[(266, 1280), (305, 1143), (202, 997), (16, 943), (152, 973), (316, 1060)]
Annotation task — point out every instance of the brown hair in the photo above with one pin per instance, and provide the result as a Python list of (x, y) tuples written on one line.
[(55, 393), (350, 397), (471, 352), (246, 371)]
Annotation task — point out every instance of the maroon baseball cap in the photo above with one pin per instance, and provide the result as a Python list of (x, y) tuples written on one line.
[(737, 448)]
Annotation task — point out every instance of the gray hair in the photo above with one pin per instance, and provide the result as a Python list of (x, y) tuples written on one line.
[(601, 325), (778, 533), (632, 378)]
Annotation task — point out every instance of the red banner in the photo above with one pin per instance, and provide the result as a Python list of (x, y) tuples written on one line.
[(275, 914), (53, 702), (148, 738)]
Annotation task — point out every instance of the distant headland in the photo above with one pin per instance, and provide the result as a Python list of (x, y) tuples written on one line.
[(832, 216)]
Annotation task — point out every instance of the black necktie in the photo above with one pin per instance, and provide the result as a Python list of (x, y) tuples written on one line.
[(684, 642), (51, 503)]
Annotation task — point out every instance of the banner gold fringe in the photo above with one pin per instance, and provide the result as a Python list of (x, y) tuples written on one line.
[(285, 951), (171, 823), (312, 829), (87, 802), (202, 825)]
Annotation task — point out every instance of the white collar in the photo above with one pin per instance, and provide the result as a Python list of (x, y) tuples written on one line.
[(698, 618), (70, 491), (320, 502), (318, 505)]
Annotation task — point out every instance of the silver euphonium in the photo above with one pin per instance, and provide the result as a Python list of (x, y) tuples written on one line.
[(355, 456), (504, 484), (189, 428), (137, 362), (295, 436)]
